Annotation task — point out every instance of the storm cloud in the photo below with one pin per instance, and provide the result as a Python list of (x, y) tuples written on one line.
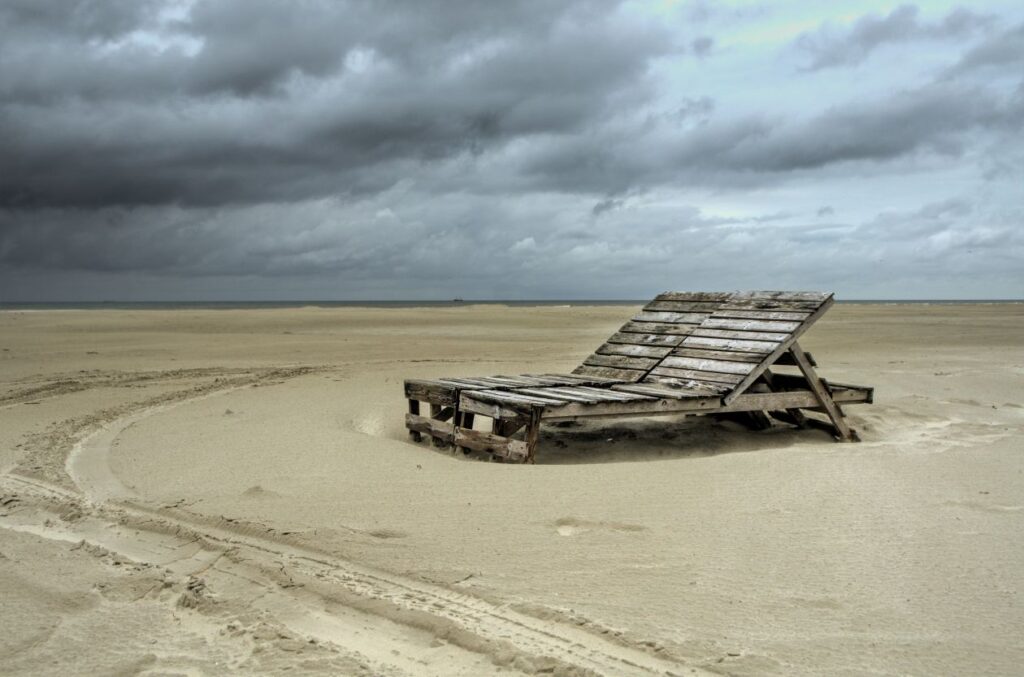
[(261, 149)]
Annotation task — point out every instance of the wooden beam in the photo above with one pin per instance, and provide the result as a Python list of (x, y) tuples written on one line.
[(533, 433), (821, 393), (414, 409), (803, 399)]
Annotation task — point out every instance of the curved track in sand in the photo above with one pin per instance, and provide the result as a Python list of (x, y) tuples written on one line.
[(395, 624)]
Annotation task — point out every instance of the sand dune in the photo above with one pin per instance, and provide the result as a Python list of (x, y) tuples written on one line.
[(194, 490)]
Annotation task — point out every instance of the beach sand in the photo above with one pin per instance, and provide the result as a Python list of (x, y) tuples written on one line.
[(192, 491)]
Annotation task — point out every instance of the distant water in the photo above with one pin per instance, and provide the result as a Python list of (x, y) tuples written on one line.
[(243, 305)]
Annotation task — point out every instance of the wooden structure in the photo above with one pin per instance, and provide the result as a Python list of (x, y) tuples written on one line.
[(684, 353)]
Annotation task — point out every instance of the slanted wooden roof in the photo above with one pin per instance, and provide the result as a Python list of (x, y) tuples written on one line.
[(712, 342)]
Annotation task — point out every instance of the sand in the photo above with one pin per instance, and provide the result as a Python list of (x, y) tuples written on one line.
[(187, 492)]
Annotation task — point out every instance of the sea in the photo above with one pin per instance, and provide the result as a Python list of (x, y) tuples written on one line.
[(244, 305)]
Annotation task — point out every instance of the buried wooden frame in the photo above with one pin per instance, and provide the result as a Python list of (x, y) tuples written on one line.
[(516, 414), (705, 353)]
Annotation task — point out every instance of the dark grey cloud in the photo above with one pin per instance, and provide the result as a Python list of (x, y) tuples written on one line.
[(1002, 51), (830, 46), (536, 148), (262, 101)]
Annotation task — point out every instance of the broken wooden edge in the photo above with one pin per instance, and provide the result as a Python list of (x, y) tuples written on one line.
[(504, 447)]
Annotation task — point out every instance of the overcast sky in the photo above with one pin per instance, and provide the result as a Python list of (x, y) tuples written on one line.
[(255, 149)]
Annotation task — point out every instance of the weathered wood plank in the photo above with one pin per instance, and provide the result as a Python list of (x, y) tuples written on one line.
[(438, 393), (682, 306), (533, 434), (791, 316), (612, 395), (655, 390), (788, 306), (514, 381), (621, 361), (575, 379), (716, 322), (698, 375), (711, 403), (630, 375), (442, 431), (707, 365), (708, 354), (696, 296), (705, 387), (760, 295), (657, 328), (561, 393), (494, 410), (465, 383), (510, 397), (633, 351), (745, 335), (646, 339), (509, 449), (763, 347), (669, 318)]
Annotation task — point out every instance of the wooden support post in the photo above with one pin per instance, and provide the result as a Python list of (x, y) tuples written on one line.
[(843, 431), (532, 433), (437, 412), (414, 408)]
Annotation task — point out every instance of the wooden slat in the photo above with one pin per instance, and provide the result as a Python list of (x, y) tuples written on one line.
[(516, 381), (631, 375), (707, 365), (794, 316), (589, 395), (439, 393), (716, 322), (745, 335), (512, 450), (682, 306), (697, 296), (670, 318), (659, 391), (606, 392), (633, 351), (657, 328), (689, 384), (575, 379), (442, 430), (465, 383), (698, 375), (646, 339), (708, 354), (730, 344), (621, 361), (507, 397), (815, 296), (710, 403), (560, 393), (788, 306)]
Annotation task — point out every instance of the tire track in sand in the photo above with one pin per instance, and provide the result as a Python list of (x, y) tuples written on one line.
[(382, 617)]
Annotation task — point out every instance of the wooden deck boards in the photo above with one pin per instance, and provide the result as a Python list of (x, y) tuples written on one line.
[(684, 351)]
